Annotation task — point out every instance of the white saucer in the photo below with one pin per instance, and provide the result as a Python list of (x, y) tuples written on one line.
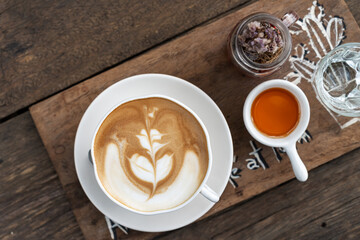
[(190, 95)]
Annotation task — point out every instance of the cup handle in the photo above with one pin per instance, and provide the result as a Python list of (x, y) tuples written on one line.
[(210, 194), (298, 166)]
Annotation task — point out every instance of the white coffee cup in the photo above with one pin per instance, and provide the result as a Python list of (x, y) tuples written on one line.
[(203, 189), (287, 142)]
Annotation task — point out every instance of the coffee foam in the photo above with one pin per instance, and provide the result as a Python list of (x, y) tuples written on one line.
[(120, 187), (151, 154)]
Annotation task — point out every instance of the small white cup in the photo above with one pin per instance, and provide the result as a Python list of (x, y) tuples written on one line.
[(204, 189), (288, 142)]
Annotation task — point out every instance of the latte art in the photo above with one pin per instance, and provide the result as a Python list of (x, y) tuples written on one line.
[(151, 154)]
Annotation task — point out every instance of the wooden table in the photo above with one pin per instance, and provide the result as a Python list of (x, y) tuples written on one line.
[(47, 47)]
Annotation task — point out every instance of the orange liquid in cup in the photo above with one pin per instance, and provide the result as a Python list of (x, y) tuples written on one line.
[(275, 112)]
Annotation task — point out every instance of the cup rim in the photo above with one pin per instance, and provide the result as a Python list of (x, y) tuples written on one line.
[(296, 133), (208, 147)]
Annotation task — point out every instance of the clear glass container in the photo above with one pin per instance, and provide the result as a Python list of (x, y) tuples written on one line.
[(337, 80), (243, 62)]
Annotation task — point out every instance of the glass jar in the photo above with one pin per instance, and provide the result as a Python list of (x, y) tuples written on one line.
[(337, 80), (243, 62)]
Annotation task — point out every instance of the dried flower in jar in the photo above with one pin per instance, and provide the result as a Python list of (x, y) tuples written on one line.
[(261, 42)]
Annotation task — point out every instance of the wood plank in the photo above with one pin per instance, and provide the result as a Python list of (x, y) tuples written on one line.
[(342, 223), (206, 65), (354, 8), (32, 202), (48, 46), (333, 221), (325, 207)]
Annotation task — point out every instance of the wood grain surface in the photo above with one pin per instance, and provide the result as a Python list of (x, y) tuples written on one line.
[(46, 46), (203, 54), (42, 211), (32, 202), (327, 206)]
